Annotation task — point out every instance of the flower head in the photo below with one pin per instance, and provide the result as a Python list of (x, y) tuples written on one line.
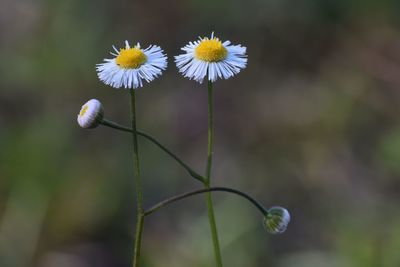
[(91, 114), (132, 65), (276, 220), (211, 57)]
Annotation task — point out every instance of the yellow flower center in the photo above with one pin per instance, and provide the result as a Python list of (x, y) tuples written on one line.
[(210, 50), (130, 58), (83, 110)]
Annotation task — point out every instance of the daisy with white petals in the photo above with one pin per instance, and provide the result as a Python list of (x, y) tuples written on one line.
[(91, 114), (132, 65), (211, 57)]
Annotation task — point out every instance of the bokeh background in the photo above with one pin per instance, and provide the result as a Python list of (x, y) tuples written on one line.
[(312, 124)]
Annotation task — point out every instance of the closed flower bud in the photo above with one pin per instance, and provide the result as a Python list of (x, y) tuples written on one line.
[(276, 220), (91, 114)]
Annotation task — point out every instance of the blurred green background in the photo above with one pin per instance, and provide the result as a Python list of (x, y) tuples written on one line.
[(312, 124)]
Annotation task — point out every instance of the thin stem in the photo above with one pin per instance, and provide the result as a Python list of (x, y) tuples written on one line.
[(210, 208), (138, 239), (210, 132), (191, 172), (117, 126), (201, 191), (214, 231), (138, 187)]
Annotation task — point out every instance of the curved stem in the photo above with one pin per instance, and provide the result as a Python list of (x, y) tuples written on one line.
[(201, 191), (117, 126), (210, 208), (138, 187), (191, 172)]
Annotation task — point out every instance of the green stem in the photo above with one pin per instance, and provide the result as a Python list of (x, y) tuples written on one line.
[(117, 126), (210, 208), (191, 172), (206, 190), (210, 131), (138, 187), (138, 239)]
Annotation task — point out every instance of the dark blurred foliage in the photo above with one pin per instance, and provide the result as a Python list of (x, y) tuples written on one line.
[(312, 124)]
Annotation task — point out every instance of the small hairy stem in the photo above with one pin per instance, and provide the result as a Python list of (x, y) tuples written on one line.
[(191, 172), (138, 187), (176, 198), (210, 208)]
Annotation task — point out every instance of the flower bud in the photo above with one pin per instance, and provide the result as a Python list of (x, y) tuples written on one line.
[(91, 114), (276, 220)]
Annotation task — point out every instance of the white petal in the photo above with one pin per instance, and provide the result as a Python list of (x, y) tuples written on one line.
[(112, 74), (196, 69)]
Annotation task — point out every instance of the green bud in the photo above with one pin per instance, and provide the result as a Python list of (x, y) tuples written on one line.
[(276, 220)]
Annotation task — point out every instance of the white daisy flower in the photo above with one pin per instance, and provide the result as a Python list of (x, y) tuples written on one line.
[(132, 65), (276, 220), (91, 114), (212, 58)]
